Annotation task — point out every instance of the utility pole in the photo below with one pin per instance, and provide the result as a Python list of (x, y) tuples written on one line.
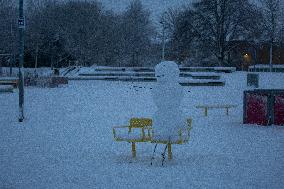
[(21, 27)]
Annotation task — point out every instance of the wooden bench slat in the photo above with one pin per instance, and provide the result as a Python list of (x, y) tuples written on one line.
[(206, 107), (216, 106)]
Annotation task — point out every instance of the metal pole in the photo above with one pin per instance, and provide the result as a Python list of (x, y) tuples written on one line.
[(21, 25), (163, 48), (12, 49)]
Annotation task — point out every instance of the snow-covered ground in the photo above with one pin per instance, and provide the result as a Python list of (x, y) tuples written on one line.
[(66, 139)]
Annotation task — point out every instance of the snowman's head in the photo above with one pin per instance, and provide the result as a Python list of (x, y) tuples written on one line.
[(167, 71)]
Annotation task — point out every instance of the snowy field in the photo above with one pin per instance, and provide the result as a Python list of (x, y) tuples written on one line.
[(66, 140)]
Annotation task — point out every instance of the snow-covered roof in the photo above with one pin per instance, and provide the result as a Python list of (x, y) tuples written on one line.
[(267, 66)]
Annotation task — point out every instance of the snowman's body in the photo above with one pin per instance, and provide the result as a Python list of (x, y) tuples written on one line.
[(168, 95)]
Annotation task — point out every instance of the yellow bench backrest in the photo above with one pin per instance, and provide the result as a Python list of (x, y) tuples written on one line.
[(140, 122), (143, 122)]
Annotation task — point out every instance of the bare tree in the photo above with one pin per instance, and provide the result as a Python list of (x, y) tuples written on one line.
[(271, 16), (170, 19), (281, 33), (221, 21), (181, 31), (137, 32), (8, 31), (35, 42)]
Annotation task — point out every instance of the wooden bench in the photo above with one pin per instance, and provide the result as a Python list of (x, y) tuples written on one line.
[(14, 83), (144, 133), (206, 107)]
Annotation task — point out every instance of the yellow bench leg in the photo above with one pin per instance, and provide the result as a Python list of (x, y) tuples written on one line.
[(206, 111), (170, 155), (133, 150)]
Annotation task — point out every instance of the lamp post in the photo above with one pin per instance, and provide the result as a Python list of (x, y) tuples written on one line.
[(21, 27), (247, 59), (163, 40)]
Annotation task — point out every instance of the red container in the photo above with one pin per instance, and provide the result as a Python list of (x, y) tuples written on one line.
[(256, 111), (264, 107), (279, 110)]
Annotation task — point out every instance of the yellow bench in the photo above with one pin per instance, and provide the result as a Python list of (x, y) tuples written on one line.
[(183, 138), (144, 133), (142, 124), (206, 107)]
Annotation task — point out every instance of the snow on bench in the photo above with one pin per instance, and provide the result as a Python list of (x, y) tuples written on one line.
[(266, 68), (6, 88), (208, 69), (225, 69)]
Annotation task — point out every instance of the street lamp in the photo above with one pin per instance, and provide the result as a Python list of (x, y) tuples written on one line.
[(247, 59)]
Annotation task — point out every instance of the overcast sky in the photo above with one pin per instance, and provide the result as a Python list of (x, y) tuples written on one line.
[(155, 6)]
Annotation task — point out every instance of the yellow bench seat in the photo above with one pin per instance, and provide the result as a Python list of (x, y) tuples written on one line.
[(140, 130), (183, 137)]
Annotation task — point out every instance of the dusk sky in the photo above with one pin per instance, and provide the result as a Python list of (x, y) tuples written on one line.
[(155, 6)]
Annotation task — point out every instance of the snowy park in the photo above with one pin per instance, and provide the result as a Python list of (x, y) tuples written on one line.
[(66, 140), (141, 94)]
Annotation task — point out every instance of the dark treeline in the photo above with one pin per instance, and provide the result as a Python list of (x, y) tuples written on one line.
[(208, 32), (80, 33)]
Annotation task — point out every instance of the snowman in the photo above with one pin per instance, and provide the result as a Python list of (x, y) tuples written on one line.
[(167, 95)]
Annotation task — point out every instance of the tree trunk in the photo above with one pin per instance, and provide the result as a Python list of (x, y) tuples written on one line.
[(36, 57), (270, 57), (51, 62), (1, 71), (221, 57)]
